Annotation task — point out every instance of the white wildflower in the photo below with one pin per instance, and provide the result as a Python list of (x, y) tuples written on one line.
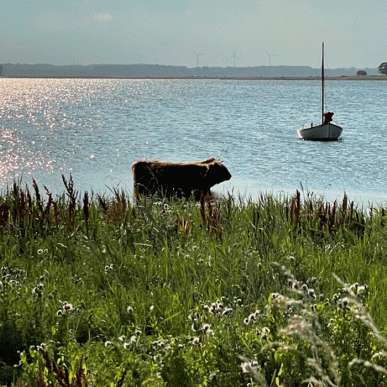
[(250, 367), (195, 340), (126, 345), (311, 293), (36, 292), (205, 327), (68, 308)]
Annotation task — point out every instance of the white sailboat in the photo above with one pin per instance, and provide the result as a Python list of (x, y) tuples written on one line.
[(327, 131)]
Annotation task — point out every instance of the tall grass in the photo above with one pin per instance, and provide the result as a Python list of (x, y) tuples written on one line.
[(213, 293)]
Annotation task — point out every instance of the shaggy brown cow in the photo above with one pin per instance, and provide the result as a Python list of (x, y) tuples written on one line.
[(178, 179)]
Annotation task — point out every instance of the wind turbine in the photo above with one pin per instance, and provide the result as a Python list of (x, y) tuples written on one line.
[(197, 57), (235, 56), (270, 57)]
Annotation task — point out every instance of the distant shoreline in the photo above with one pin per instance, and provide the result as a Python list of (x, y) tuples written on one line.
[(335, 78)]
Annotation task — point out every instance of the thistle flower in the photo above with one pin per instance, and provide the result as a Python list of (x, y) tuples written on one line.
[(36, 292), (295, 284), (304, 288), (41, 346), (265, 332), (311, 293), (250, 367), (133, 339), (354, 287), (195, 341), (215, 308), (158, 344), (205, 327), (362, 289), (166, 209), (67, 307)]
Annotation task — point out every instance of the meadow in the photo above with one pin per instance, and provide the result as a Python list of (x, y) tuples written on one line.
[(278, 291)]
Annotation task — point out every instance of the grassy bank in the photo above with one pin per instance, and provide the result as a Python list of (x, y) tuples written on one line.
[(98, 291)]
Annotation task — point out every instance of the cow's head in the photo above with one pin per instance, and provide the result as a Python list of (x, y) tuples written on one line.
[(216, 173)]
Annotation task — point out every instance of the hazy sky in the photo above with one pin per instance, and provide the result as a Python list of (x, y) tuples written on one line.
[(170, 32)]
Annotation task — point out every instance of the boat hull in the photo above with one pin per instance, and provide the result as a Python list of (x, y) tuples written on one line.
[(327, 132)]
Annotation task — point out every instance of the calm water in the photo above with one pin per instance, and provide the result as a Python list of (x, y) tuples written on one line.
[(95, 130)]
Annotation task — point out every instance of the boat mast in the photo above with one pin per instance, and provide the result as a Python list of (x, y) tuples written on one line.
[(322, 84)]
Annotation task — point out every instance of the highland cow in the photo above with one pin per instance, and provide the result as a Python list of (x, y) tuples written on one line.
[(178, 179)]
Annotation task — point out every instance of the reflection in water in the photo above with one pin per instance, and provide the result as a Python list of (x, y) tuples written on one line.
[(95, 129)]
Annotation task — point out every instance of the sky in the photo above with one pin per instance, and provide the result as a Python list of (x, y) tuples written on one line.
[(188, 33)]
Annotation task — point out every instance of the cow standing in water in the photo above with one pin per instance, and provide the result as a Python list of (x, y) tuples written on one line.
[(178, 179)]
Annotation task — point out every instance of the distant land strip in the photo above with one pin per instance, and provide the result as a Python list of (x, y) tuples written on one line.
[(341, 78), (180, 72)]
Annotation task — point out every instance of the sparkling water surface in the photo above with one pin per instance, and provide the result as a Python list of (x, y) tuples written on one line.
[(96, 128)]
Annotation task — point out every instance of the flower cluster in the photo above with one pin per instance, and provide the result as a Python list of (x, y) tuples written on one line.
[(252, 317), (218, 309), (162, 349), (195, 341), (206, 329), (37, 291), (250, 367), (356, 291), (126, 343), (166, 209), (66, 309), (264, 333), (10, 276), (132, 342), (360, 291), (303, 288)]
